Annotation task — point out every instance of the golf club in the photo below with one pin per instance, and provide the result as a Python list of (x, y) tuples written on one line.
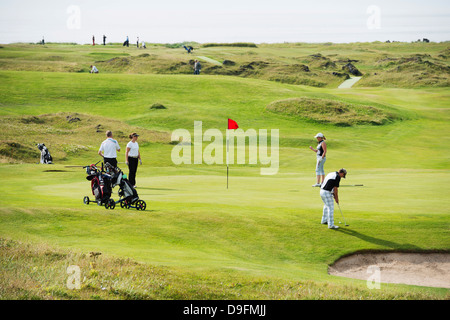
[(342, 215)]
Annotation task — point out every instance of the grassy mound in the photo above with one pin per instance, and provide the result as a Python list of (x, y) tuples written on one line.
[(333, 112), (417, 70), (66, 135), (12, 151)]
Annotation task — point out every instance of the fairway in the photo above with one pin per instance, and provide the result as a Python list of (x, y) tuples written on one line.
[(263, 228)]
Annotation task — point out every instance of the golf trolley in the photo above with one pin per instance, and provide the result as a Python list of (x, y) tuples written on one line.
[(100, 186), (128, 196), (46, 158)]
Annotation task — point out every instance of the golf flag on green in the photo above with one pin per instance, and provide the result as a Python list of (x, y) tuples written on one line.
[(231, 126)]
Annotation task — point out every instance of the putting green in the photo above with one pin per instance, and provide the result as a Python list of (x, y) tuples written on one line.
[(260, 224)]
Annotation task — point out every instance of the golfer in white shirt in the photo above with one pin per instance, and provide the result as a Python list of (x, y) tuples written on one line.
[(108, 149), (132, 155), (94, 69)]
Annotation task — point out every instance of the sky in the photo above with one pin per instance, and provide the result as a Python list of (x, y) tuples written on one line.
[(261, 21)]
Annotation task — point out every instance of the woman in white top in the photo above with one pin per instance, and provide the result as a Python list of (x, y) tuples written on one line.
[(321, 153), (132, 156)]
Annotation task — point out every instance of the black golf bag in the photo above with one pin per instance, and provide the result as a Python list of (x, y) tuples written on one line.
[(128, 195), (127, 191), (46, 158), (101, 187)]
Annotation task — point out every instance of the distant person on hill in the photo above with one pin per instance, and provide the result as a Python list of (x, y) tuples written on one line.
[(126, 43), (104, 40), (137, 42), (93, 69), (43, 41), (108, 149), (197, 67), (321, 152), (132, 155), (143, 45), (93, 40)]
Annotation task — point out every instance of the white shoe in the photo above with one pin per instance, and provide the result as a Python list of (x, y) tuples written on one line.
[(333, 227), (317, 185)]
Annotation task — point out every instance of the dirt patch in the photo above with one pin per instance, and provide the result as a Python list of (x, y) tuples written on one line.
[(420, 269)]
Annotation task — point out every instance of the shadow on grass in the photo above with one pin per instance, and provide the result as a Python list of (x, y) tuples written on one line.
[(160, 189), (378, 241)]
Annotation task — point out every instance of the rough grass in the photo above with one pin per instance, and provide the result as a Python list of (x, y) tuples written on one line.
[(318, 65), (19, 135), (40, 272), (234, 44), (331, 111), (416, 70)]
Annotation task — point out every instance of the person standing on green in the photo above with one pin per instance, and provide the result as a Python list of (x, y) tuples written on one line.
[(321, 152), (132, 156), (108, 149)]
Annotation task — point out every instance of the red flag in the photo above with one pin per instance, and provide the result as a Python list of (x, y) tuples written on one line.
[(232, 124)]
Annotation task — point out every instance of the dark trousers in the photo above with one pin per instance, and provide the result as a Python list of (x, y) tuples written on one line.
[(132, 167), (112, 161)]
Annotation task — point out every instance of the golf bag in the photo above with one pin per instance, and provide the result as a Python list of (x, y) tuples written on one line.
[(100, 184), (46, 158), (188, 49), (127, 193)]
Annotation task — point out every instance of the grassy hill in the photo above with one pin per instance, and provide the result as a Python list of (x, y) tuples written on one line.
[(402, 65), (261, 238)]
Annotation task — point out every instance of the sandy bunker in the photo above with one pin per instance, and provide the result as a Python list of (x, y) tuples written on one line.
[(421, 269)]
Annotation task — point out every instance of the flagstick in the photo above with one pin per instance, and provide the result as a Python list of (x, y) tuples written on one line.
[(227, 159)]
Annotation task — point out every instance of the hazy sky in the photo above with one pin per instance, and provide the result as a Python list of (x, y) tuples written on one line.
[(168, 21)]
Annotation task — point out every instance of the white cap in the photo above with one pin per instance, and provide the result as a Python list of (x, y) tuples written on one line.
[(320, 134)]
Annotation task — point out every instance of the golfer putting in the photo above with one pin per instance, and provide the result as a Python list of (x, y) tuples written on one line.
[(328, 190)]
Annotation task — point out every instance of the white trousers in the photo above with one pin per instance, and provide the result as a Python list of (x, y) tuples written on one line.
[(328, 208)]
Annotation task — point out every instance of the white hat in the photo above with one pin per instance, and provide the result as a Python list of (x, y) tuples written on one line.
[(320, 134)]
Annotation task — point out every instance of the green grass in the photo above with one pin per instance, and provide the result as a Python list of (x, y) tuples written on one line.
[(261, 238)]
